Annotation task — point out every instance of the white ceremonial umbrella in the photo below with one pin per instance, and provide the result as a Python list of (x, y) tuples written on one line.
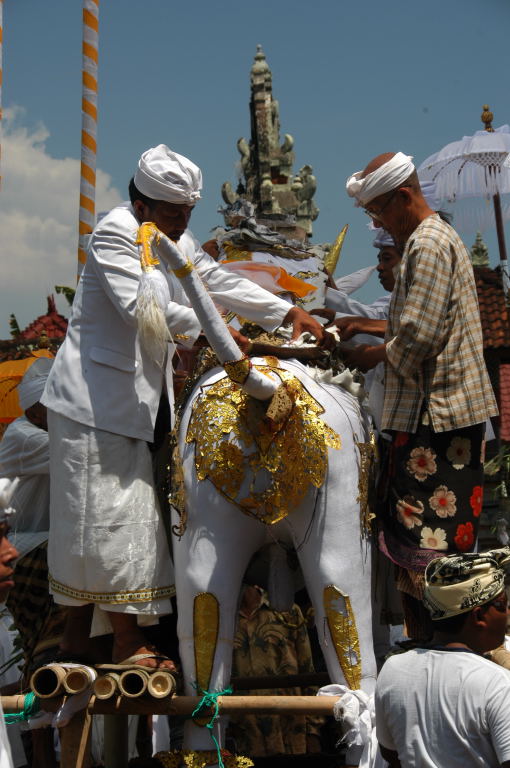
[(477, 166)]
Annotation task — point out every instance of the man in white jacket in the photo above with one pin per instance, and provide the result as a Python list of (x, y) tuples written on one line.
[(107, 544)]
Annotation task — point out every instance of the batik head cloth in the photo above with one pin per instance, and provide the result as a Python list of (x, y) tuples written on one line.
[(32, 384), (457, 583), (386, 178), (165, 175)]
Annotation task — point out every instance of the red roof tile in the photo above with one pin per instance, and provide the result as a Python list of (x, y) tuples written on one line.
[(493, 308)]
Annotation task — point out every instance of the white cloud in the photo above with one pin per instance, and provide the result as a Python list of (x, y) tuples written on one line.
[(38, 220)]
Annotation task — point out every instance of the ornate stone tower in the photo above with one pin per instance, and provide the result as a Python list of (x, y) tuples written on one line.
[(268, 181)]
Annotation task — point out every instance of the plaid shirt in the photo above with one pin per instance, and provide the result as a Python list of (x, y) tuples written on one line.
[(434, 337)]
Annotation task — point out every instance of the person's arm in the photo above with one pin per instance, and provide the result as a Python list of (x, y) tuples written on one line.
[(249, 300), (116, 262), (424, 326), (350, 326), (341, 302), (390, 756)]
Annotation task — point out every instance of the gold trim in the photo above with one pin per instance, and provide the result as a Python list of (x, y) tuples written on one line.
[(238, 370), (206, 626), (187, 269), (148, 234), (200, 759), (368, 457), (342, 627), (137, 596)]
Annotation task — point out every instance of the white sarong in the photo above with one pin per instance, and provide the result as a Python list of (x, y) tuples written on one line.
[(107, 542)]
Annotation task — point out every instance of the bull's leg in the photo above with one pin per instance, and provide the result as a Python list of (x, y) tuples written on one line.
[(210, 561), (336, 565)]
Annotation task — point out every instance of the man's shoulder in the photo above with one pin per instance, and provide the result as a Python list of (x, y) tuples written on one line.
[(434, 234), (120, 218)]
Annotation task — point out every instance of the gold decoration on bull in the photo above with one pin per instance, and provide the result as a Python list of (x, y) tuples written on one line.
[(342, 627), (238, 370), (206, 625), (368, 456), (264, 467), (201, 759), (148, 234)]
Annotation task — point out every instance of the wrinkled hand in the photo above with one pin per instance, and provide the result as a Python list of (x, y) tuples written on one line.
[(243, 342), (364, 356), (350, 326), (302, 322)]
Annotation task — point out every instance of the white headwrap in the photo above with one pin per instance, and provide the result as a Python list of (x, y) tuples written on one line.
[(32, 384), (383, 239), (165, 175), (384, 179)]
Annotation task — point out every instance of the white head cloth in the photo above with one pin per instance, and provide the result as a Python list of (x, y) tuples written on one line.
[(383, 239), (165, 175), (384, 179), (32, 384)]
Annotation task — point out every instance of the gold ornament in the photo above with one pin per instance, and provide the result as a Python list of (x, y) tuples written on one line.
[(206, 625), (262, 466), (368, 454), (148, 234), (192, 759), (187, 269), (238, 370), (342, 627)]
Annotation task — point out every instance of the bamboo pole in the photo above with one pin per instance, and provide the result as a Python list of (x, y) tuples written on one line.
[(184, 705), (88, 127)]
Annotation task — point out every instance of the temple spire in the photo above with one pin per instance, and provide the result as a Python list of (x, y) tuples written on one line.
[(267, 165)]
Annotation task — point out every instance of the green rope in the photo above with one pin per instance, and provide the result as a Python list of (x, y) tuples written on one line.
[(209, 700), (30, 708)]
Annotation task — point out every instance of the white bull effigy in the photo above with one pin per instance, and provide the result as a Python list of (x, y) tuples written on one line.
[(268, 451)]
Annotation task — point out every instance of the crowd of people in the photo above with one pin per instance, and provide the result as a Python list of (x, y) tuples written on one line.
[(83, 452)]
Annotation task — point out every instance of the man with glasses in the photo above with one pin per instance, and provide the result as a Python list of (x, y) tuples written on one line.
[(437, 393), (444, 703)]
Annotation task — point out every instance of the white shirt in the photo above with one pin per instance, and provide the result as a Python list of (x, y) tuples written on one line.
[(444, 708), (25, 453)]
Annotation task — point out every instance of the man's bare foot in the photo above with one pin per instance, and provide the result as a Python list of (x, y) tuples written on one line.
[(153, 659)]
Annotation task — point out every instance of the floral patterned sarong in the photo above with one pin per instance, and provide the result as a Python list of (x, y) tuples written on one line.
[(434, 494)]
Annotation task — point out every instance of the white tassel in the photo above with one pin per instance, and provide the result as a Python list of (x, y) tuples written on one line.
[(151, 301)]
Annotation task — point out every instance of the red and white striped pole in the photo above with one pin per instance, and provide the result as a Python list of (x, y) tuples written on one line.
[(88, 126)]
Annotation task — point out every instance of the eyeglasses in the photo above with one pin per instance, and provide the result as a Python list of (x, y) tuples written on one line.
[(376, 215)]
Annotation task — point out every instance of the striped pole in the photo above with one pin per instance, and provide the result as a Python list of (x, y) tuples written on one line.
[(1, 76), (88, 127)]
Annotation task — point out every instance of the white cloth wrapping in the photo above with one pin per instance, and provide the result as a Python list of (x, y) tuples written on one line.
[(355, 711), (105, 518), (165, 175), (33, 382), (386, 178)]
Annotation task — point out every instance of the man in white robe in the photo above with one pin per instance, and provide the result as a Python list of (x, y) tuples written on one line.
[(107, 544)]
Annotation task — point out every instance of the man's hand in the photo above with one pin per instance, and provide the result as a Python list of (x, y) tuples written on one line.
[(363, 356), (350, 326), (243, 342), (302, 322)]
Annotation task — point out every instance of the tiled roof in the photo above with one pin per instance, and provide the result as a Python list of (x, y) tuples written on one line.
[(52, 323), (493, 309)]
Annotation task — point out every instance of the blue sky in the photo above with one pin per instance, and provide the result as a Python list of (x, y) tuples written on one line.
[(352, 79)]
